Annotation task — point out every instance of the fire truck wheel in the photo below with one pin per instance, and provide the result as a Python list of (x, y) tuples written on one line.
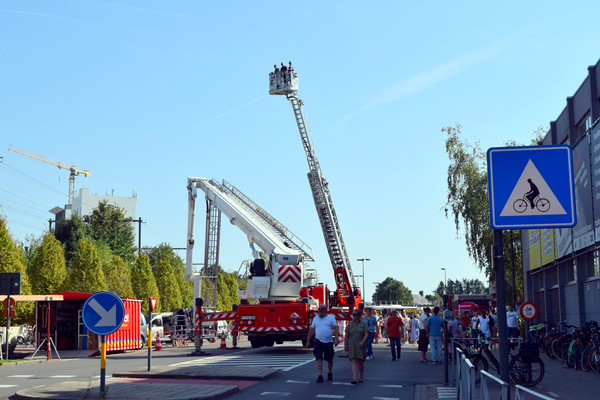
[(269, 342), (256, 343)]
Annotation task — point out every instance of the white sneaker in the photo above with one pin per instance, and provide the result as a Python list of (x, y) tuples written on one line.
[(368, 358)]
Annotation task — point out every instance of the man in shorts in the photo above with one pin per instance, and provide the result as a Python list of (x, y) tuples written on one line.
[(322, 327)]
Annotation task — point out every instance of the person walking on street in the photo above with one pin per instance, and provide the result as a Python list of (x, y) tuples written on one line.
[(474, 323), (355, 338), (371, 322), (394, 329), (483, 324), (414, 330), (406, 336), (512, 323), (423, 339), (434, 333), (321, 327)]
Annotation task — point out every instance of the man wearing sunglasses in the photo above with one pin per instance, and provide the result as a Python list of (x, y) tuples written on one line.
[(322, 327)]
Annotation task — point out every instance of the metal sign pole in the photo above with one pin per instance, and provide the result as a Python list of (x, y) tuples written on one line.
[(8, 319), (149, 325), (102, 363), (498, 264)]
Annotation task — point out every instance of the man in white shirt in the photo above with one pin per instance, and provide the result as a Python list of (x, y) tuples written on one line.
[(483, 324), (512, 323), (322, 327)]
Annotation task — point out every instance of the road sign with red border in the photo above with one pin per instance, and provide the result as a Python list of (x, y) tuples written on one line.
[(528, 311), (152, 303)]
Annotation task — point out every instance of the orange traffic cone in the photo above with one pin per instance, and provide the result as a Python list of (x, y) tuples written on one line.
[(158, 343), (223, 344)]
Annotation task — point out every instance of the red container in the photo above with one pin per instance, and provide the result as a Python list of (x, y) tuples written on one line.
[(128, 336)]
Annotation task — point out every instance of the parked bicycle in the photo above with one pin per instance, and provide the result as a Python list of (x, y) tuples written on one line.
[(521, 205), (593, 343), (526, 368), (575, 350), (560, 345)]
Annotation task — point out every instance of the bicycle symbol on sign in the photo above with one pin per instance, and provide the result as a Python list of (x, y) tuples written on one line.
[(533, 198)]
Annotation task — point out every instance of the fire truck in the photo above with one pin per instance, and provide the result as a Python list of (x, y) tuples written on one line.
[(278, 303)]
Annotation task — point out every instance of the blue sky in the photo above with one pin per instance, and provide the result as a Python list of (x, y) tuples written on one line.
[(145, 94)]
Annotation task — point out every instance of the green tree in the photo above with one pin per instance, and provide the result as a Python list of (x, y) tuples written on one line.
[(393, 290), (118, 277), (227, 291), (86, 274), (468, 204), (70, 232), (48, 270), (108, 224), (166, 283), (12, 259), (186, 289), (143, 282)]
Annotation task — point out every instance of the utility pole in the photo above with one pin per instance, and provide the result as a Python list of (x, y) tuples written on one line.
[(364, 295)]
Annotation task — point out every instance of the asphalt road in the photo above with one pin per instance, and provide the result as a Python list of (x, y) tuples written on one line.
[(384, 379)]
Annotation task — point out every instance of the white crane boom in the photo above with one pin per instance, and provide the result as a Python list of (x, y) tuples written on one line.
[(282, 278), (74, 171)]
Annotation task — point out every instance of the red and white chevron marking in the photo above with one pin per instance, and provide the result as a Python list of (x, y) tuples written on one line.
[(219, 316), (274, 328), (289, 273), (338, 315)]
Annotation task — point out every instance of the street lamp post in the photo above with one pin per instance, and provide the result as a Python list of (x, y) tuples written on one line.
[(376, 283), (364, 296), (445, 282)]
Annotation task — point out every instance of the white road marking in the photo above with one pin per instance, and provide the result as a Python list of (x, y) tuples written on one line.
[(21, 376), (275, 394), (391, 386), (63, 376), (341, 383), (7, 386), (290, 381), (330, 396)]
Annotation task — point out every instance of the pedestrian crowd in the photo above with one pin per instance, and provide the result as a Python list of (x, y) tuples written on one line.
[(424, 330)]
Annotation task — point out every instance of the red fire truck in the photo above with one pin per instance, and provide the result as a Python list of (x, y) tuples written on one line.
[(284, 300)]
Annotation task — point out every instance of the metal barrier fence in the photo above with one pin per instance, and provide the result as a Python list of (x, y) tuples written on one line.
[(519, 393), (483, 389), (465, 376)]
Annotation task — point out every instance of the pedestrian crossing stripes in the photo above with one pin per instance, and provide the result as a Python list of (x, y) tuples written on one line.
[(446, 392), (281, 362)]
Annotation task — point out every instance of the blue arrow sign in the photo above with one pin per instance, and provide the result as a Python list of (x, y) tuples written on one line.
[(103, 313), (531, 187)]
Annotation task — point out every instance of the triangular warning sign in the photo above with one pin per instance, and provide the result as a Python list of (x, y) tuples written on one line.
[(545, 204), (294, 315)]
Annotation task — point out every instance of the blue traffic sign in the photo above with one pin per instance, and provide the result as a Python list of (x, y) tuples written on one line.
[(531, 187), (103, 313)]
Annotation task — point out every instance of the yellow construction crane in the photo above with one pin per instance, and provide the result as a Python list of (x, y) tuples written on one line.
[(72, 168)]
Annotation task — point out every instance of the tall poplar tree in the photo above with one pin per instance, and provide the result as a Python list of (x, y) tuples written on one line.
[(48, 270), (118, 277), (86, 274), (168, 288), (143, 282), (12, 259)]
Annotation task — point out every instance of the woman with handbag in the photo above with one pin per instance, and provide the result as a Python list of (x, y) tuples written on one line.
[(355, 343)]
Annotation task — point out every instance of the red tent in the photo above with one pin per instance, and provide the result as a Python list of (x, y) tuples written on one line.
[(468, 306)]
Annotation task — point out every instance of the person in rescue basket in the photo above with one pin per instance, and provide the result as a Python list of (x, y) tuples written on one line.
[(357, 333), (322, 326)]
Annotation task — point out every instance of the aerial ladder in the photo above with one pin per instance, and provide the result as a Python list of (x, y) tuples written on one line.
[(284, 300), (347, 293), (74, 171)]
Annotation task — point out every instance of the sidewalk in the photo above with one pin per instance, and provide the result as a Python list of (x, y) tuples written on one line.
[(179, 382), (558, 382)]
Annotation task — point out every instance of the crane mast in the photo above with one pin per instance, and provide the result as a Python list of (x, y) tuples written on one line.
[(347, 293), (74, 171)]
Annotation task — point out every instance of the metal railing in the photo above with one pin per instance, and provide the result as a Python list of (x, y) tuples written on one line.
[(519, 393), (465, 375), (483, 389)]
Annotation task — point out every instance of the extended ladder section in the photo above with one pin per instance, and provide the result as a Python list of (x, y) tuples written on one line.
[(210, 272), (324, 205), (287, 237)]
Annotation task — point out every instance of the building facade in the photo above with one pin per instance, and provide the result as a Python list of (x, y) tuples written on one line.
[(561, 266)]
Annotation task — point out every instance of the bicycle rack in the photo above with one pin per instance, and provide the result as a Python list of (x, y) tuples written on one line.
[(519, 393), (483, 389)]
